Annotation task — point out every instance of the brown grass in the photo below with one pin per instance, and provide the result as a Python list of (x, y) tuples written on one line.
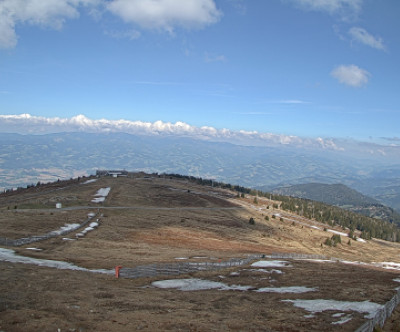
[(158, 220)]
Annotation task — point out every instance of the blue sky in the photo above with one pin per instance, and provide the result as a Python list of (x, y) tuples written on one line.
[(308, 68)]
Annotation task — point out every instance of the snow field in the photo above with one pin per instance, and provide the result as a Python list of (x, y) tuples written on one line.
[(101, 195), (8, 255), (200, 284), (271, 264), (314, 306), (91, 227)]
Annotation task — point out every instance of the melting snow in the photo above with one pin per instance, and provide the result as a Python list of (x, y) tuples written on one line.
[(196, 284), (8, 255), (266, 271), (89, 181), (336, 232), (396, 280), (314, 306), (271, 264), (101, 195), (91, 227), (390, 265), (200, 284), (64, 229), (343, 320), (292, 289)]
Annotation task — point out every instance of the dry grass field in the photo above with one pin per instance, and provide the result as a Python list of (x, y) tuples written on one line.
[(146, 220)]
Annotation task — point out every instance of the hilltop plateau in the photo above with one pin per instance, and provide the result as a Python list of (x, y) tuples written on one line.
[(149, 220)]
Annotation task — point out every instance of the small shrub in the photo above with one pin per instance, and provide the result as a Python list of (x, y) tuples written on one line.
[(266, 218), (252, 221)]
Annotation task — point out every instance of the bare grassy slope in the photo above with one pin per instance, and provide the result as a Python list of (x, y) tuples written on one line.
[(148, 220)]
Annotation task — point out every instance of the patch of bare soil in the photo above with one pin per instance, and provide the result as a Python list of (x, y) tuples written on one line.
[(154, 220)]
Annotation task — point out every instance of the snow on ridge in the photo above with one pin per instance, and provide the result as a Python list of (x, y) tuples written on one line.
[(89, 181)]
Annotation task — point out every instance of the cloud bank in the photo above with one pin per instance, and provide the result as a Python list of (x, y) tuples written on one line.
[(146, 14), (351, 75), (29, 124)]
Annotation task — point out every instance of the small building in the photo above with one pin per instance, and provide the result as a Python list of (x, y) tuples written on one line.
[(113, 173)]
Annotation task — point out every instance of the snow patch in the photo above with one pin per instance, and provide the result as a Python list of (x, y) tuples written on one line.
[(389, 265), (34, 249), (91, 227), (196, 285), (314, 306), (343, 320), (291, 289), (336, 232), (64, 229), (271, 264), (8, 255), (89, 181), (101, 195)]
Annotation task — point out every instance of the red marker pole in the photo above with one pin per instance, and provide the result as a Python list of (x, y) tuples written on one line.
[(117, 268)]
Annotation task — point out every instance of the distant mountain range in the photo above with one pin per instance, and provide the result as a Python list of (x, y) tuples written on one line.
[(341, 196), (27, 159)]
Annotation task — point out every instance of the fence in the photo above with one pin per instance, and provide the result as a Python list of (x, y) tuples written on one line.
[(165, 269), (36, 238), (381, 315)]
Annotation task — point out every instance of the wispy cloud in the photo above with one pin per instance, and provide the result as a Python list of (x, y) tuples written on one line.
[(292, 101), (214, 58), (351, 75), (362, 36), (127, 34), (154, 83), (345, 8)]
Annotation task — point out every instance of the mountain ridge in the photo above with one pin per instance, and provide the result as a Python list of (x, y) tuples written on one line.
[(27, 159)]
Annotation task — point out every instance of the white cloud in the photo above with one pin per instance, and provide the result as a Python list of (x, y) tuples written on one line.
[(361, 35), (26, 123), (148, 14), (46, 13), (351, 75), (166, 14), (345, 8)]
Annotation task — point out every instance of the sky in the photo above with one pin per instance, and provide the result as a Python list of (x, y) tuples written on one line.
[(308, 68)]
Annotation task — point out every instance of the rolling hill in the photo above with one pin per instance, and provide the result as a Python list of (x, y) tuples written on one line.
[(27, 159), (341, 196)]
